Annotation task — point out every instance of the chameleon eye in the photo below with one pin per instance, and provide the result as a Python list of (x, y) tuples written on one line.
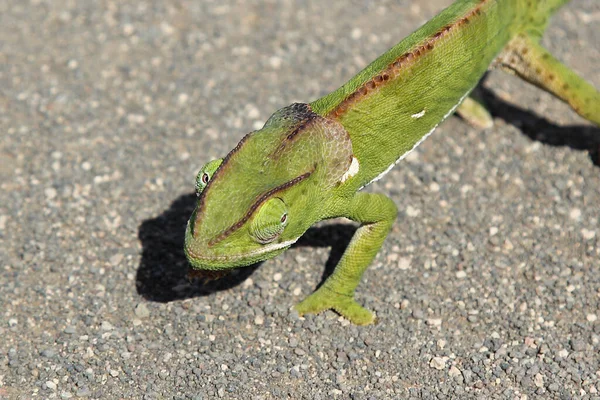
[(269, 221), (206, 174)]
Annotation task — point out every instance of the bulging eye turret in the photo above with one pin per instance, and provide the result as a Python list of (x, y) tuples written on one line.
[(269, 221), (206, 174)]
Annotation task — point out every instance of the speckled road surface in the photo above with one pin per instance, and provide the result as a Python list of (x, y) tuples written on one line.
[(488, 286)]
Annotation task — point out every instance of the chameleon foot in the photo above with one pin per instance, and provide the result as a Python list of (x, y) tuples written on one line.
[(474, 112), (325, 299)]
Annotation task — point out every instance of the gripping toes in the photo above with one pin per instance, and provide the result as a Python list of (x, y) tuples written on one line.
[(325, 299)]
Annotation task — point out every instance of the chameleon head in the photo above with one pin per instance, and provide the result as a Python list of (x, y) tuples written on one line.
[(259, 199), (227, 231)]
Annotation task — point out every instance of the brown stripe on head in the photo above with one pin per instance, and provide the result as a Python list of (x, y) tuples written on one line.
[(305, 118), (260, 200), (222, 167), (304, 125)]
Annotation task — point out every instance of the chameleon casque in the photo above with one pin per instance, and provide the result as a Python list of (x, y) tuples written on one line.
[(310, 161)]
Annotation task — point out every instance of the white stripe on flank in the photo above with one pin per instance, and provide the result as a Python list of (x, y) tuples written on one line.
[(418, 115), (352, 170), (420, 140)]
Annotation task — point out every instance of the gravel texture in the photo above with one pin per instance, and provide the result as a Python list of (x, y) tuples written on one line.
[(488, 286)]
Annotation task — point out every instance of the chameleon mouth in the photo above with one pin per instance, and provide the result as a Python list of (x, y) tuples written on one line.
[(215, 262)]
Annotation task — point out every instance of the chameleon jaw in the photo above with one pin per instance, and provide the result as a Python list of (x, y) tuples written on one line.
[(219, 262)]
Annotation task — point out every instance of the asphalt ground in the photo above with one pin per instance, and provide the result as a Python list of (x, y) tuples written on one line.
[(488, 286)]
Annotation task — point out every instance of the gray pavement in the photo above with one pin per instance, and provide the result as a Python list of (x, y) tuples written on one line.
[(487, 288)]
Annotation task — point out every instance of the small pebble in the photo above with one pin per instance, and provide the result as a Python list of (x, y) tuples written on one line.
[(454, 372), (275, 62), (538, 380), (412, 212), (575, 214), (404, 263), (50, 193), (437, 322), (70, 330), (182, 98), (588, 234), (141, 311), (107, 326), (591, 317), (563, 353), (48, 353), (438, 363)]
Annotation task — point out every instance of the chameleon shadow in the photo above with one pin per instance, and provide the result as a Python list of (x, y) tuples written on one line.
[(577, 137), (162, 275)]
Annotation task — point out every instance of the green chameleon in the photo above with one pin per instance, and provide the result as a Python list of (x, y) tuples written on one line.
[(310, 161)]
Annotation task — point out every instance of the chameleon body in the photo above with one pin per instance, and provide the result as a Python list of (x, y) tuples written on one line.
[(309, 161)]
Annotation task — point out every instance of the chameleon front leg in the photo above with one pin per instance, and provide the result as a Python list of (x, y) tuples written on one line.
[(525, 57), (376, 213)]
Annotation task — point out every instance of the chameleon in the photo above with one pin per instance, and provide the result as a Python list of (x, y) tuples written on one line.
[(310, 161)]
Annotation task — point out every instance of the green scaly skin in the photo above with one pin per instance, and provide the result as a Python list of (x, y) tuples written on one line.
[(309, 162)]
